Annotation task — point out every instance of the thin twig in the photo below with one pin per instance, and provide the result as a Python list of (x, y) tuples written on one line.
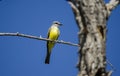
[(112, 5), (37, 38), (113, 68)]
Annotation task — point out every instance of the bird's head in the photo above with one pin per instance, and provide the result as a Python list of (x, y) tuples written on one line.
[(57, 23)]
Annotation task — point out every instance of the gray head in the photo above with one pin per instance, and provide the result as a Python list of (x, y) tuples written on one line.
[(57, 23)]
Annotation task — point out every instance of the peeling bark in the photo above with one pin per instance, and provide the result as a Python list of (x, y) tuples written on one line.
[(91, 17)]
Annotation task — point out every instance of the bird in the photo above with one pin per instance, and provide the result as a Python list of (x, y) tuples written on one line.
[(53, 34)]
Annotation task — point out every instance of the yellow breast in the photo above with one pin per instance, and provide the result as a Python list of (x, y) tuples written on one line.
[(54, 33)]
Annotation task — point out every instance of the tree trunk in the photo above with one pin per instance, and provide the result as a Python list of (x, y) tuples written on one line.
[(91, 17)]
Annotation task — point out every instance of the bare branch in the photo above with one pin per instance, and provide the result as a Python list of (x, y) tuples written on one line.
[(111, 65), (109, 73), (75, 9), (37, 38), (112, 5), (77, 14)]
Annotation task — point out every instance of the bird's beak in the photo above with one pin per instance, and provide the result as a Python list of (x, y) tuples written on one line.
[(60, 24)]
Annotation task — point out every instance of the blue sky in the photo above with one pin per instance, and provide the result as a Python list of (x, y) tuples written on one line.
[(25, 57)]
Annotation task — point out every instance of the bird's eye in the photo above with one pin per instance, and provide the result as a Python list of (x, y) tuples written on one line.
[(56, 23)]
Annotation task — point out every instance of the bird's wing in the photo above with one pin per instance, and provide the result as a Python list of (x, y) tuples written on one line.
[(48, 32)]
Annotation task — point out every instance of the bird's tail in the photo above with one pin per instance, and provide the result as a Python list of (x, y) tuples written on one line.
[(47, 60)]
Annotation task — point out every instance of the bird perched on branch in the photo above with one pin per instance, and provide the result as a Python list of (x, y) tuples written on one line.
[(53, 34)]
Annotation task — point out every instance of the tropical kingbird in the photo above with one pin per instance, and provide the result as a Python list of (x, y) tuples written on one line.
[(53, 34)]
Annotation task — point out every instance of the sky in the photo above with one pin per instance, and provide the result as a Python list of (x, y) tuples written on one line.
[(25, 57)]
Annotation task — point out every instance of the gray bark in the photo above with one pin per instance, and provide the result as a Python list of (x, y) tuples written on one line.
[(91, 17)]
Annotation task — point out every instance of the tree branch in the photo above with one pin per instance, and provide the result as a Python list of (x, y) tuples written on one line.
[(37, 38), (76, 13), (112, 5)]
